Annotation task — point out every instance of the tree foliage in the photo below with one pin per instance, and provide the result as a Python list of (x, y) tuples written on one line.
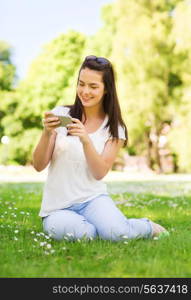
[(151, 72), (48, 83), (7, 79), (7, 69)]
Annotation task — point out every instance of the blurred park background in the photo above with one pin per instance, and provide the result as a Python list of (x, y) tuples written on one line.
[(148, 43)]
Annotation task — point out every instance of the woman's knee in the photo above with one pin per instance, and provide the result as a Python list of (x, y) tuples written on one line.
[(68, 226)]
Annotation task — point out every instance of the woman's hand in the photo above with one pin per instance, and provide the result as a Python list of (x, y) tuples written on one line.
[(50, 122), (78, 129)]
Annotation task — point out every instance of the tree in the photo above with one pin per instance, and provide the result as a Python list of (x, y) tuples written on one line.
[(179, 136), (7, 69), (49, 82), (7, 80), (100, 44), (149, 81)]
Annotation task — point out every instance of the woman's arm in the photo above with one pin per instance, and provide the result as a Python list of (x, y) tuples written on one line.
[(100, 164), (43, 151)]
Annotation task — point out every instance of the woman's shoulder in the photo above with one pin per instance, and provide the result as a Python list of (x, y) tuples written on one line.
[(60, 110), (106, 131)]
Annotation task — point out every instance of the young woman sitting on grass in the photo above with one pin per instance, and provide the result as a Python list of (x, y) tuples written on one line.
[(75, 201)]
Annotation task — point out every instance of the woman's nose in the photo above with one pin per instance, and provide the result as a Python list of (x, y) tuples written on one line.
[(85, 90)]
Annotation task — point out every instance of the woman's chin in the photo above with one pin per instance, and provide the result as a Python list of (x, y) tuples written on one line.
[(86, 103)]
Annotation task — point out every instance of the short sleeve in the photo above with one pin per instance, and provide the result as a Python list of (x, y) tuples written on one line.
[(121, 132)]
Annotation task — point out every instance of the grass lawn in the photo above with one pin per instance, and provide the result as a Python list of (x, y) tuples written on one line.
[(26, 252)]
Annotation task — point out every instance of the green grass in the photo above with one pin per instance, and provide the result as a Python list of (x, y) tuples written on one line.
[(167, 203)]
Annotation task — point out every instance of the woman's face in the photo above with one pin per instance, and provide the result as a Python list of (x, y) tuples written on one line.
[(90, 87)]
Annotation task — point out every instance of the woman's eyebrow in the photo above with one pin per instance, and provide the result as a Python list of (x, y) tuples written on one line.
[(93, 83)]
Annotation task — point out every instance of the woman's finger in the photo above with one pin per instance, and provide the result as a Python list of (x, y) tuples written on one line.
[(76, 121), (69, 126), (52, 119), (52, 123), (48, 114), (75, 130), (76, 133)]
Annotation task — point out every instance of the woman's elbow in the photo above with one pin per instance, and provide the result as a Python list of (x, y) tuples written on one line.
[(98, 177), (37, 167), (101, 175)]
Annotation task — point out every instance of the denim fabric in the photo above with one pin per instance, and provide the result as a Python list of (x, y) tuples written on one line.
[(98, 217)]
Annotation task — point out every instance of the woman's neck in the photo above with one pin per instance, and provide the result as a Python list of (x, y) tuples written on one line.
[(94, 113)]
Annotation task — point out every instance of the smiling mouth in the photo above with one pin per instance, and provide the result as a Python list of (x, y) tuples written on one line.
[(84, 99)]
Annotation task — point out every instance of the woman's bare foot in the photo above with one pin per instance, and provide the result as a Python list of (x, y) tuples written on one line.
[(157, 229)]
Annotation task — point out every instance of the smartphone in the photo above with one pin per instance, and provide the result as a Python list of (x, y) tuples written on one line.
[(65, 120)]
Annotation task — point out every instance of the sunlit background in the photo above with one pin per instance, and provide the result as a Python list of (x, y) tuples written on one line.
[(42, 44)]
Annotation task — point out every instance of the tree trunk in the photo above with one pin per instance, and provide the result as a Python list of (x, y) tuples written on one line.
[(153, 156)]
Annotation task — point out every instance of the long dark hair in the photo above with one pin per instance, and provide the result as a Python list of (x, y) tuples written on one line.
[(110, 100)]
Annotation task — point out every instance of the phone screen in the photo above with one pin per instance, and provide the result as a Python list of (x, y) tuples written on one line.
[(65, 120)]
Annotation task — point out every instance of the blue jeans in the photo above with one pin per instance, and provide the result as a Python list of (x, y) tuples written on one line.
[(98, 217)]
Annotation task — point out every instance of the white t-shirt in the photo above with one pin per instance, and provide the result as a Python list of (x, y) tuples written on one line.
[(69, 179)]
